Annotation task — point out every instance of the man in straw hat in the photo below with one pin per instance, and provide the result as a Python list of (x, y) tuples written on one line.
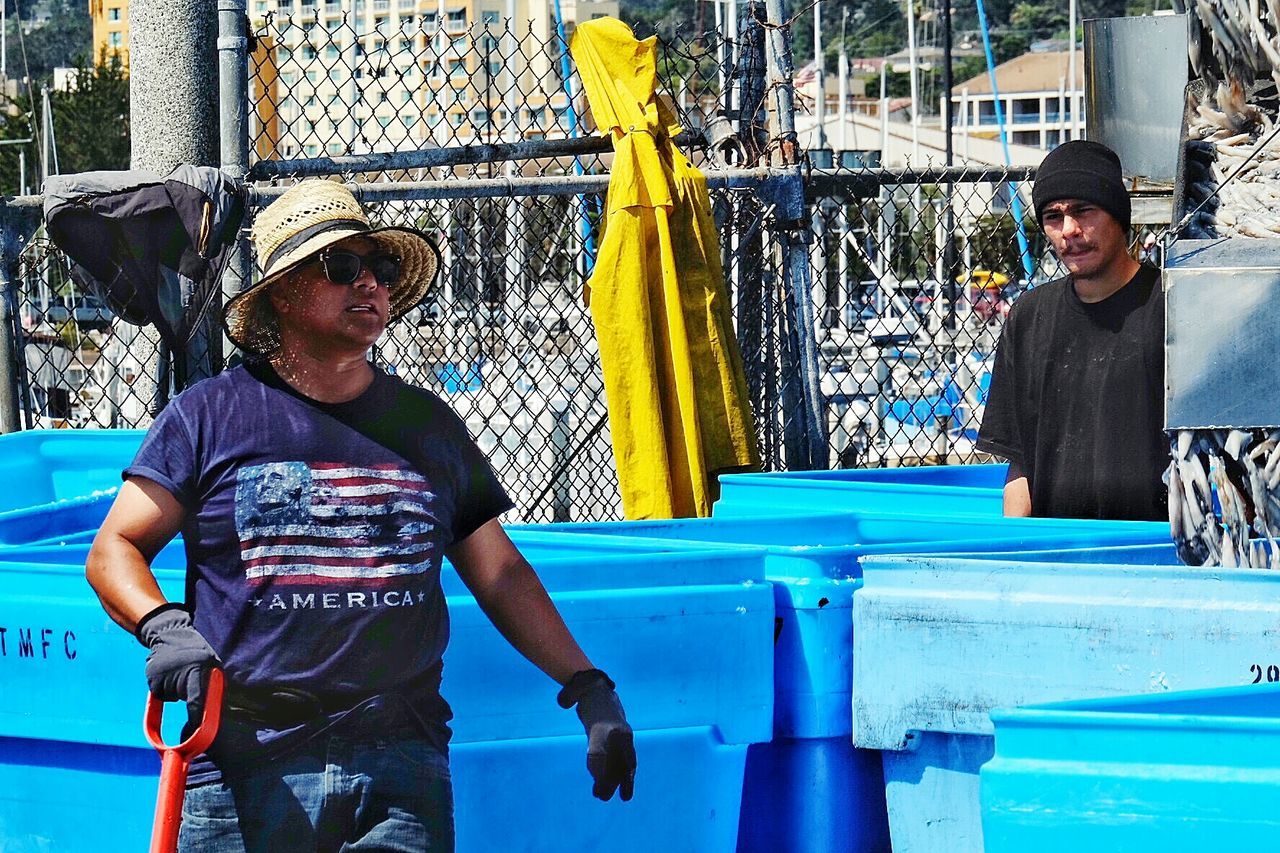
[(316, 496)]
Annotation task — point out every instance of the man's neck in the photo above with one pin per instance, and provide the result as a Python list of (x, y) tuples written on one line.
[(329, 379), (1107, 282)]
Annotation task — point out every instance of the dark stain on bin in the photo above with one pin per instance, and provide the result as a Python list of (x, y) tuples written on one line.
[(823, 602)]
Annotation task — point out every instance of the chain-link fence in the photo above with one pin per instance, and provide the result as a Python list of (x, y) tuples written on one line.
[(867, 301)]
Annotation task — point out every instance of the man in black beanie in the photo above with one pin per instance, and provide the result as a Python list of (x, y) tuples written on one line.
[(1077, 390)]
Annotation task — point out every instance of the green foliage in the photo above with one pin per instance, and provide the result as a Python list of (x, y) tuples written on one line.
[(67, 38), (90, 126), (91, 121)]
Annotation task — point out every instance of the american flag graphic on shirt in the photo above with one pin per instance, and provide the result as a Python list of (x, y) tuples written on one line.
[(323, 522)]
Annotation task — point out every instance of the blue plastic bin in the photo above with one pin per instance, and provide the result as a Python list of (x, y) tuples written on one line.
[(686, 632), (60, 481), (803, 786), (45, 466), (1191, 771), (946, 489), (942, 640)]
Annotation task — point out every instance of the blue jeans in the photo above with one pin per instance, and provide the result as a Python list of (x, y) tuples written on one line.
[(339, 791)]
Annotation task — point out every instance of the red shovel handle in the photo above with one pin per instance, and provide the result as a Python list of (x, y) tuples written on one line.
[(175, 760)]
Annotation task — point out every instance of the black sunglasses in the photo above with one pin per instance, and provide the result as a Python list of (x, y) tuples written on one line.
[(343, 267)]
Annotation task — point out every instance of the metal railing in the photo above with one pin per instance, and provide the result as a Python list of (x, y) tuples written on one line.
[(861, 298)]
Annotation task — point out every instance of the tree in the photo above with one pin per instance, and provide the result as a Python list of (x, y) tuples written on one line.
[(91, 119), (90, 126), (35, 51)]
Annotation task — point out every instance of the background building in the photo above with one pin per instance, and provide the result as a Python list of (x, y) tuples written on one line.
[(110, 27), (1038, 110)]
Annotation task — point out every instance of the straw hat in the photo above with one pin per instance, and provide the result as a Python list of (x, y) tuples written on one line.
[(307, 218)]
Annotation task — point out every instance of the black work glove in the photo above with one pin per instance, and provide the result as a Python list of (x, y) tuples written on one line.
[(177, 668), (611, 751)]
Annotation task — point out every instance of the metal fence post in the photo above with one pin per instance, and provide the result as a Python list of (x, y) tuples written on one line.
[(9, 351), (795, 255), (233, 127), (561, 433)]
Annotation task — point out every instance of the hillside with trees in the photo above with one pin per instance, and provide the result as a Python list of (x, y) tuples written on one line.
[(876, 28)]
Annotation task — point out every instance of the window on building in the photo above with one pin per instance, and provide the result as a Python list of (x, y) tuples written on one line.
[(331, 52), (408, 120), (457, 18), (479, 117), (381, 5), (379, 23), (495, 68), (312, 75), (309, 51), (429, 19), (406, 96), (335, 149), (489, 17), (455, 119), (114, 14), (457, 68), (116, 40), (313, 150), (288, 77), (407, 5)]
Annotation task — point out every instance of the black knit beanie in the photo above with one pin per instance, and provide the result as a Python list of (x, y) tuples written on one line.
[(1089, 171)]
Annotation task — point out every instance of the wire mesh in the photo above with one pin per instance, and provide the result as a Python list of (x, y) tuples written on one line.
[(904, 271), (912, 282)]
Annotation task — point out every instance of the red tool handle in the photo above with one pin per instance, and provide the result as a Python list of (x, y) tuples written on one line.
[(176, 760)]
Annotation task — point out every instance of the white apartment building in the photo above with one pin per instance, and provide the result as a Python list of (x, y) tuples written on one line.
[(1039, 111)]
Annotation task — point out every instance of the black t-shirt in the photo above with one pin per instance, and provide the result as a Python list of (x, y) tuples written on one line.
[(1077, 400)]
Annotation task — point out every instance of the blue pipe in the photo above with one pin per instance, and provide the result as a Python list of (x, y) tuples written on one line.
[(1016, 202), (566, 70)]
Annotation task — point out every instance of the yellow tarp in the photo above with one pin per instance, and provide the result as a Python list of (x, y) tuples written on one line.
[(678, 403)]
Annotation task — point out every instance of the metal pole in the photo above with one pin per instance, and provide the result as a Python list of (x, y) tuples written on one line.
[(781, 70), (1071, 71), (10, 420), (173, 119), (789, 210), (233, 106), (915, 81), (946, 283), (819, 80)]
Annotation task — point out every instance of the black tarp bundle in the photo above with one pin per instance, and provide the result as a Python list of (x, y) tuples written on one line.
[(154, 247)]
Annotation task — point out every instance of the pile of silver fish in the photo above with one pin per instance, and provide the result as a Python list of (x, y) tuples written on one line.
[(1233, 39), (1241, 469), (1232, 169), (1224, 485)]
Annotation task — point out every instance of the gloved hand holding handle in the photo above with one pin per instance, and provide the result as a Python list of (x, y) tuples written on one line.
[(177, 668), (611, 753)]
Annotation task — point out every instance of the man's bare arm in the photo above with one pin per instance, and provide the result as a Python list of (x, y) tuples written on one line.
[(510, 594), (143, 519), (1017, 498)]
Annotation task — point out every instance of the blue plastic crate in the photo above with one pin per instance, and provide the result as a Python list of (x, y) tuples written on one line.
[(60, 482), (802, 788), (946, 489), (687, 633), (942, 640), (46, 466), (1190, 771)]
